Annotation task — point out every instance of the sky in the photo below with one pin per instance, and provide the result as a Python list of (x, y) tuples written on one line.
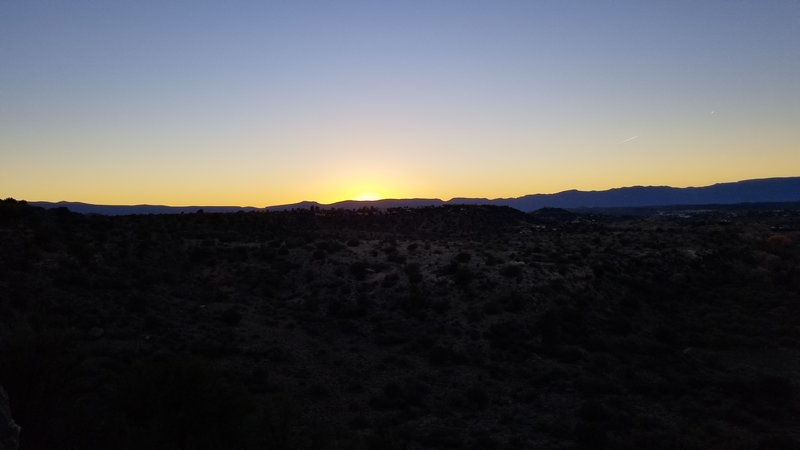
[(272, 102)]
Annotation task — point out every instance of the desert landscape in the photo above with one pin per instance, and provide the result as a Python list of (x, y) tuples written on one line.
[(437, 327), (419, 225)]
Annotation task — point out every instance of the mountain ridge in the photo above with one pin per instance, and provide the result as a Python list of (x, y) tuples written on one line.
[(759, 190)]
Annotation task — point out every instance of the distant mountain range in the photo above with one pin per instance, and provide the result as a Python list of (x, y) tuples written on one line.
[(123, 210), (747, 191)]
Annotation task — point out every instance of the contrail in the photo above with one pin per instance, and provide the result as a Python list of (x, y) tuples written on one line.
[(629, 139)]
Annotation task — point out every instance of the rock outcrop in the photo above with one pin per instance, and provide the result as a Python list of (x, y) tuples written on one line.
[(9, 430)]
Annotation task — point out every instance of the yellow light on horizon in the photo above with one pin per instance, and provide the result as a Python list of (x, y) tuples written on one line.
[(367, 196)]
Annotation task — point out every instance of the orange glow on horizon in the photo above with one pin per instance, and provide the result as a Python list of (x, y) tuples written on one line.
[(367, 196)]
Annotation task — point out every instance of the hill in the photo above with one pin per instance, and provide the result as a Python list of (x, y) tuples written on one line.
[(747, 191), (764, 190)]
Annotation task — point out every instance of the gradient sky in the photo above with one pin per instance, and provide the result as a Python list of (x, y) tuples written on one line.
[(269, 102)]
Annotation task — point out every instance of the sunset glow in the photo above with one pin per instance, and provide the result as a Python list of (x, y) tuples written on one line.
[(276, 102), (366, 196)]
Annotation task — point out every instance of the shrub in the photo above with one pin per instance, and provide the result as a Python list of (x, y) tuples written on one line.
[(359, 270), (511, 270), (396, 258), (330, 246), (231, 317), (463, 257), (397, 395), (318, 392), (779, 241), (590, 435), (441, 354), (413, 272), (179, 404), (550, 328), (390, 280), (462, 276), (508, 335), (592, 411), (477, 397)]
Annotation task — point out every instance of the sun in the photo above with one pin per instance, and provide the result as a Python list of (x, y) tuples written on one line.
[(367, 196)]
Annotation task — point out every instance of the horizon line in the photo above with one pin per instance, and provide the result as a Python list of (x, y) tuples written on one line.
[(395, 198)]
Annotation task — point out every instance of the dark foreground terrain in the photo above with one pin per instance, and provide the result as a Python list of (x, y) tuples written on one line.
[(448, 327)]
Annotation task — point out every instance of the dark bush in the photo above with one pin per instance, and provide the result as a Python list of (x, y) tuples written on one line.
[(463, 276), (590, 435), (509, 335), (396, 395), (511, 270), (441, 354), (477, 397), (592, 411), (390, 280), (358, 270), (396, 258), (330, 246), (231, 317), (413, 272), (318, 392), (778, 442), (550, 328), (180, 403), (463, 257)]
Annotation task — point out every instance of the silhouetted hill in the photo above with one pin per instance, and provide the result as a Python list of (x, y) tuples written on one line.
[(428, 221), (755, 191), (389, 203), (300, 205), (748, 191), (358, 204), (121, 210), (553, 215)]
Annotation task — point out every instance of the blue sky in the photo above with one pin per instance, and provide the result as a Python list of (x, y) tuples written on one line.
[(274, 102)]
